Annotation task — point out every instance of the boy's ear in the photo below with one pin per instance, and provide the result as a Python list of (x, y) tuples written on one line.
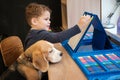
[(34, 21)]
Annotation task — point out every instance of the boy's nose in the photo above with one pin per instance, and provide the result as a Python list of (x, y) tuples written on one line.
[(49, 22)]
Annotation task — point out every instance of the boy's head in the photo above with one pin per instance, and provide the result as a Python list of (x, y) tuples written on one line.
[(34, 11)]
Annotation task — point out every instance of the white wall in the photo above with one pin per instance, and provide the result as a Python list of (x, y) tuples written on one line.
[(76, 8)]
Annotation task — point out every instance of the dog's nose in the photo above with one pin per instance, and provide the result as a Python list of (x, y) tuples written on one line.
[(61, 54)]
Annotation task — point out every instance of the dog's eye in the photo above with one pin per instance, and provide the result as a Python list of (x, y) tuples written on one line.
[(50, 51)]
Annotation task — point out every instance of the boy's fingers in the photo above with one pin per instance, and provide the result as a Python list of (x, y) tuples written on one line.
[(84, 21)]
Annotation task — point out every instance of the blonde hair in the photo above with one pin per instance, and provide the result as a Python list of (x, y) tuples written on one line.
[(35, 10)]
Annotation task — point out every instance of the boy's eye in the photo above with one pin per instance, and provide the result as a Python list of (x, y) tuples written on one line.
[(46, 19)]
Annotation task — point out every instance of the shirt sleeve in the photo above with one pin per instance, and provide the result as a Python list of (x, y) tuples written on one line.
[(63, 35)]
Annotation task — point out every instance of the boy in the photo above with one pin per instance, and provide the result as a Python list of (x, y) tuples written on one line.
[(38, 17)]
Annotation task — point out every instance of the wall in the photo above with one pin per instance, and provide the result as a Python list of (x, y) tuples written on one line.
[(64, 14), (76, 8)]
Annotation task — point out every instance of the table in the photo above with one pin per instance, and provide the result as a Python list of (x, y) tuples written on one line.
[(66, 69)]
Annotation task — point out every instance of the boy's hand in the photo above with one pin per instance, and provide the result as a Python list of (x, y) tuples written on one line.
[(84, 21)]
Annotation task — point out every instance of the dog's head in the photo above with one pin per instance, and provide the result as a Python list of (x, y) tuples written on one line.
[(43, 52)]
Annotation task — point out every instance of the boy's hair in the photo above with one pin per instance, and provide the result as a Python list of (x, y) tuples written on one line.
[(35, 10)]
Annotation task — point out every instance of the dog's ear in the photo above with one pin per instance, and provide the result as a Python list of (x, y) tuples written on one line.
[(39, 61)]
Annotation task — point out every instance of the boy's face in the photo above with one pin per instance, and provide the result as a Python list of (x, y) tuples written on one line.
[(43, 22)]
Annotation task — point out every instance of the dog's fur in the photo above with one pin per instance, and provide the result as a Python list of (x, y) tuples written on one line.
[(36, 58)]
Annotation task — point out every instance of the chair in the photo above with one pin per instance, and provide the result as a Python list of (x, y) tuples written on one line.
[(11, 48)]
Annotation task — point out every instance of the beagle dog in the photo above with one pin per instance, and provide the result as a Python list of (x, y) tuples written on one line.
[(36, 58)]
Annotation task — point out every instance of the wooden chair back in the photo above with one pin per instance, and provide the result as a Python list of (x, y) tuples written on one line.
[(11, 48)]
